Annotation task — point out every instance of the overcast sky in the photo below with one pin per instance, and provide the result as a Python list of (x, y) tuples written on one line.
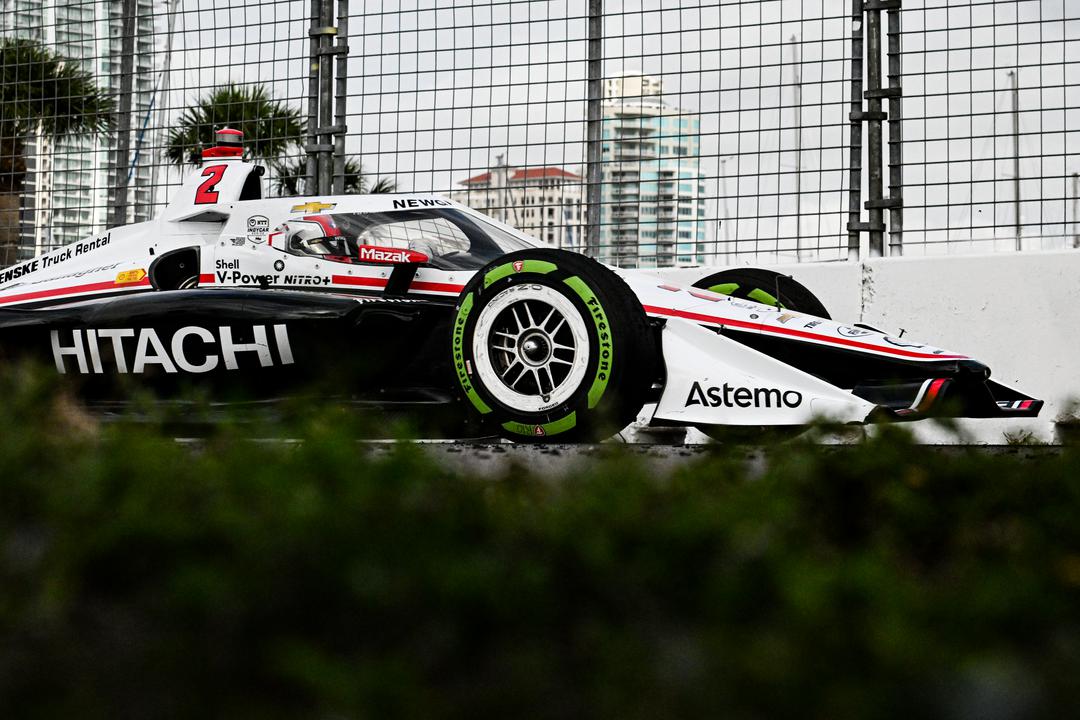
[(437, 89)]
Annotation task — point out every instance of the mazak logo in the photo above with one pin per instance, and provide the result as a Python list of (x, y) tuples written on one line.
[(743, 397), (190, 349), (375, 254)]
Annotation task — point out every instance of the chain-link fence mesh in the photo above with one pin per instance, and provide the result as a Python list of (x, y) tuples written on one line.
[(721, 130), (992, 128)]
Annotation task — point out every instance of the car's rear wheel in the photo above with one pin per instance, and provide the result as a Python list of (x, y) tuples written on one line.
[(552, 346), (764, 286)]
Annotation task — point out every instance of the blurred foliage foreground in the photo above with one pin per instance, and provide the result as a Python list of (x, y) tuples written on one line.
[(141, 577)]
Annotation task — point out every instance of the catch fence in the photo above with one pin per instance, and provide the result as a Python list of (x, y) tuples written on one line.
[(643, 132)]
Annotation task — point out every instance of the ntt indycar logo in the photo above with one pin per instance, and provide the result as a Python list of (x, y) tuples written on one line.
[(743, 397), (189, 349)]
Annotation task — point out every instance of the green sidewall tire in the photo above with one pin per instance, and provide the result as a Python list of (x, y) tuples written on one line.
[(757, 284), (610, 395)]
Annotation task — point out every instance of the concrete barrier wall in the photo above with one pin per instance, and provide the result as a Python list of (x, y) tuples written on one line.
[(1018, 313)]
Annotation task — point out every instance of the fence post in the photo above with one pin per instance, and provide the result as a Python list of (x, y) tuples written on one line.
[(326, 89), (1076, 209), (1016, 153), (855, 225), (342, 80), (123, 120), (798, 123), (594, 121), (896, 135), (312, 168), (325, 146), (874, 117)]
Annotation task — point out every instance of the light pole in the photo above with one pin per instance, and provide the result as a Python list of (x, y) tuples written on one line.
[(797, 112), (1016, 151), (1076, 209), (723, 179)]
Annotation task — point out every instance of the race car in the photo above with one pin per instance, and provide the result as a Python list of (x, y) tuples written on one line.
[(415, 302)]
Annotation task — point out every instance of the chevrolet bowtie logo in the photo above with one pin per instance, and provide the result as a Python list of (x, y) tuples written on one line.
[(313, 207)]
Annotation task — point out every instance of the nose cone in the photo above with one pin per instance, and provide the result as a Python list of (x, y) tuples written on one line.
[(973, 369)]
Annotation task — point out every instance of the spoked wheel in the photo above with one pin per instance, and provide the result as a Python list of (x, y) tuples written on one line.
[(552, 346), (532, 347)]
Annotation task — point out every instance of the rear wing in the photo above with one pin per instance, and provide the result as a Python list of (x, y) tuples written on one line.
[(222, 179), (208, 193)]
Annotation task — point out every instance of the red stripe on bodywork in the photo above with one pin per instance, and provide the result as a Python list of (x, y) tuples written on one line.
[(59, 292), (206, 278), (420, 285), (931, 394), (364, 281), (381, 282), (727, 322)]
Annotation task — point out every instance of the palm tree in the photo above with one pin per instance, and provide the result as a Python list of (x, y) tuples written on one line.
[(44, 95), (271, 130), (290, 175), (269, 126)]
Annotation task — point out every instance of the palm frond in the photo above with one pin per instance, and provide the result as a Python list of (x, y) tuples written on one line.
[(40, 89), (270, 126), (290, 178), (383, 185)]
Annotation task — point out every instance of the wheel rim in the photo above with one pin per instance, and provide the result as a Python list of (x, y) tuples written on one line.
[(531, 347)]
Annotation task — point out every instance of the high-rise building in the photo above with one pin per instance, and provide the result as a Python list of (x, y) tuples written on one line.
[(70, 182), (545, 202), (653, 193)]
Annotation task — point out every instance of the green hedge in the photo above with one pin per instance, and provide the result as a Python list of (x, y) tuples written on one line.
[(140, 577)]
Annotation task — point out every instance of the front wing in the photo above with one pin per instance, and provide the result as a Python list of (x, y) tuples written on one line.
[(713, 379)]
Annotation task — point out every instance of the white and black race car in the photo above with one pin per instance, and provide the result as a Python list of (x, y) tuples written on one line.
[(415, 301)]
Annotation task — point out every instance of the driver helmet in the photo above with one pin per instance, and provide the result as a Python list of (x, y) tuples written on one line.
[(315, 235)]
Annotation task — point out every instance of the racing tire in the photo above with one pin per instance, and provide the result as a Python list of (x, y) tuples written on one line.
[(764, 286), (550, 346)]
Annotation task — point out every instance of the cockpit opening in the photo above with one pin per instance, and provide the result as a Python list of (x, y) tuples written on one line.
[(445, 239)]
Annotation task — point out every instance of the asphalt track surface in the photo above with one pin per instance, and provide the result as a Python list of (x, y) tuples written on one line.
[(494, 459)]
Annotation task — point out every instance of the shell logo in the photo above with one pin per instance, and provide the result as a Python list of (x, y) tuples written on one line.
[(130, 276)]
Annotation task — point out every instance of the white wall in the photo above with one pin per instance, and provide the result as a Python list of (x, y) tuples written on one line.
[(1018, 313)]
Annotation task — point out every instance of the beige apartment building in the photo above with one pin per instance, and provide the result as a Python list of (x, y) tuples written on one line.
[(545, 202)]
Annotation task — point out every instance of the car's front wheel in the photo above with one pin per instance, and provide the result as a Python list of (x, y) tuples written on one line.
[(552, 346)]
